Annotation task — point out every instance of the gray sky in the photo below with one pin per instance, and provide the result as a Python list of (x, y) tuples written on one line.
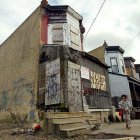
[(117, 23)]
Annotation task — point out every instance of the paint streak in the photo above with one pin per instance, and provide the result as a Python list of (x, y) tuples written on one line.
[(44, 29)]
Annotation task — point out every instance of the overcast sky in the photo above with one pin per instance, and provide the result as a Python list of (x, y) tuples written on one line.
[(117, 23)]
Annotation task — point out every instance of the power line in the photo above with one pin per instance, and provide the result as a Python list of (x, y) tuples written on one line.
[(95, 18)]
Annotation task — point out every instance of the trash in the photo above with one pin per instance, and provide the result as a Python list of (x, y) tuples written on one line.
[(18, 131), (36, 126), (30, 131)]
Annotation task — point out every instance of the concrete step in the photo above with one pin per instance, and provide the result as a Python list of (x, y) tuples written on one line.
[(69, 132), (64, 114), (92, 121), (67, 120), (67, 125), (71, 119), (86, 117)]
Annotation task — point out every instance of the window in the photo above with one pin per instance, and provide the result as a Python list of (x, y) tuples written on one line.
[(114, 65), (122, 66)]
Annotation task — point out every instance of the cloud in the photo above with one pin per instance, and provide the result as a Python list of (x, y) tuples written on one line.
[(12, 14), (117, 23)]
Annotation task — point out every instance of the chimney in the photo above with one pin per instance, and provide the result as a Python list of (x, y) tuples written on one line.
[(44, 3)]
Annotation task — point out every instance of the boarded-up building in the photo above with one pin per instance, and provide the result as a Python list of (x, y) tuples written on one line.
[(137, 67), (19, 55), (49, 77), (73, 79)]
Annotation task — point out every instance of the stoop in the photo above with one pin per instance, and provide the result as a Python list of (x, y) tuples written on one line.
[(68, 124)]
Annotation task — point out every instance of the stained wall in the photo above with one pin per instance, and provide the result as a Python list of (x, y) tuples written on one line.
[(19, 56)]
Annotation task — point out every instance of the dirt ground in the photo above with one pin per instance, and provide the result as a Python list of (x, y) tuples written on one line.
[(106, 131)]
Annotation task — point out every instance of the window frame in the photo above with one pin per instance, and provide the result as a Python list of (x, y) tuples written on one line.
[(122, 66), (116, 64)]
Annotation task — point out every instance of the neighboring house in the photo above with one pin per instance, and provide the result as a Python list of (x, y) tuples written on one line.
[(137, 67), (35, 75), (130, 67), (120, 82)]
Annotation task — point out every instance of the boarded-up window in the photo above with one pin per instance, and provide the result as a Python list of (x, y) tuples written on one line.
[(74, 87), (75, 39), (52, 95), (58, 34)]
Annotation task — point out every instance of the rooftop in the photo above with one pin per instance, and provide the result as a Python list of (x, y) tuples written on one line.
[(63, 9), (129, 58), (115, 48)]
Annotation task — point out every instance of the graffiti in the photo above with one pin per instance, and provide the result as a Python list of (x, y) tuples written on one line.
[(52, 95), (74, 87), (53, 67), (21, 92), (52, 90), (4, 101), (32, 114), (23, 95), (97, 81)]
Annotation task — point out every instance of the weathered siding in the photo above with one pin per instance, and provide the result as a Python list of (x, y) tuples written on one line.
[(99, 53), (66, 32), (74, 88), (96, 89), (53, 95), (19, 67)]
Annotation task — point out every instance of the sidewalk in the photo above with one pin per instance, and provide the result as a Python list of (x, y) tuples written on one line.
[(119, 128)]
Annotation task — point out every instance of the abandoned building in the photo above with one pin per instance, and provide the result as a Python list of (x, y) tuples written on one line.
[(122, 74), (130, 67), (137, 67), (45, 67), (80, 77)]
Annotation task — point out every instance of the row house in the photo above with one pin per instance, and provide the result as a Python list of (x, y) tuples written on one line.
[(122, 74)]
